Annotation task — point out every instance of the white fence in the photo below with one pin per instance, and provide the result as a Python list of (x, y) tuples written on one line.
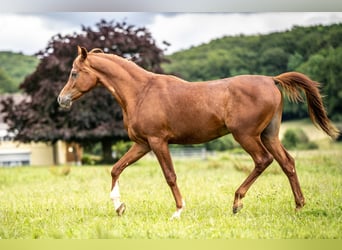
[(201, 153)]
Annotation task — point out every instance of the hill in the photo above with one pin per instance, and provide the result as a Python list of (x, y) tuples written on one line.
[(315, 51), (14, 67)]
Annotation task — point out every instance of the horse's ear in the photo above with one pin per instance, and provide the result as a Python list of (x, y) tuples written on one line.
[(83, 52)]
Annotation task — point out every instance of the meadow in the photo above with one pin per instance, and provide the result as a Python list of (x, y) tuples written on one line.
[(42, 202)]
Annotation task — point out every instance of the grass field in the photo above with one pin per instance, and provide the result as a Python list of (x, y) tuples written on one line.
[(37, 202)]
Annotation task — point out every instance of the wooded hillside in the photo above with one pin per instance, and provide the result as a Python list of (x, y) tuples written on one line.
[(14, 67), (315, 51)]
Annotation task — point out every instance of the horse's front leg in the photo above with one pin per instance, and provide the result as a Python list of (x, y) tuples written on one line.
[(161, 150), (133, 154)]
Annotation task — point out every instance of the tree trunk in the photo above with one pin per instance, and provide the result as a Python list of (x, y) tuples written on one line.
[(107, 157)]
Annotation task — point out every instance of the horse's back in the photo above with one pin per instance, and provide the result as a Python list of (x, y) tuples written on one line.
[(253, 100)]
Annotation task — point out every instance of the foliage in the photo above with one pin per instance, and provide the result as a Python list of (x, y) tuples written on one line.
[(325, 66), (96, 116), (296, 138), (6, 83), (38, 204), (14, 67), (315, 51), (221, 144), (120, 148), (89, 159)]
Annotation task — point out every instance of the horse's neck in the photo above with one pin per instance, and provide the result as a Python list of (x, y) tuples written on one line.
[(124, 79)]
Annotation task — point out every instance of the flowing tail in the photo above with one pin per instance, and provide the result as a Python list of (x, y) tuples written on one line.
[(293, 83)]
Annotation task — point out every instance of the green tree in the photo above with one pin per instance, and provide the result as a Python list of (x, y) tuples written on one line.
[(274, 61), (325, 67), (295, 60)]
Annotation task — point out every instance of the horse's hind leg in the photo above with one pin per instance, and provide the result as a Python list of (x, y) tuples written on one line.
[(271, 141), (262, 159)]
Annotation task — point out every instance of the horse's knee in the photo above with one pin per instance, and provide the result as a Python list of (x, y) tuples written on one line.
[(114, 173)]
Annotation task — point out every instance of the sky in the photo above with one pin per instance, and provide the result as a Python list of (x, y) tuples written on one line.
[(30, 32)]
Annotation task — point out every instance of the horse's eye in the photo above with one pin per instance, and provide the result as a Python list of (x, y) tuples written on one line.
[(73, 75)]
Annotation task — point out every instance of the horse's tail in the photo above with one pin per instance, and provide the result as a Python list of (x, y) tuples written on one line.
[(292, 83)]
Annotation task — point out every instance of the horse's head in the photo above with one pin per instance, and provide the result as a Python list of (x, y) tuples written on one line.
[(82, 79)]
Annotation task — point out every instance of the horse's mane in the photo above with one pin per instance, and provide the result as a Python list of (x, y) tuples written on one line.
[(96, 50), (118, 59)]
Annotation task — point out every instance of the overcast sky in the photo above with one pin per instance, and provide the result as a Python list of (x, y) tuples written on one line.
[(30, 32)]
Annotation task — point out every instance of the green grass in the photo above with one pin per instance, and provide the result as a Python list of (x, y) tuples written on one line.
[(35, 203)]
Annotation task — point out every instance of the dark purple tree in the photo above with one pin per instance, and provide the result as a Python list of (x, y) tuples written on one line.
[(96, 117)]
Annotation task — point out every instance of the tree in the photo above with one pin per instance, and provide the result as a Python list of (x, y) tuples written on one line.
[(95, 117), (273, 61), (325, 67)]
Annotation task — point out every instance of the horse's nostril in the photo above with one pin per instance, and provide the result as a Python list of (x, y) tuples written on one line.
[(64, 101)]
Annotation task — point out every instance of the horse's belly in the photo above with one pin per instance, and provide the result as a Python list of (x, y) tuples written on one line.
[(196, 133)]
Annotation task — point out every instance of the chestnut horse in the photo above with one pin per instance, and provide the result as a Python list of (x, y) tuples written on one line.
[(161, 109)]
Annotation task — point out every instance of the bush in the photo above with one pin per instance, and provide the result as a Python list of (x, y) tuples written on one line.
[(220, 144), (88, 159), (290, 139), (120, 148), (296, 138)]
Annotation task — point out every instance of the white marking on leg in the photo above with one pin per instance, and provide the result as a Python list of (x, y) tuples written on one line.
[(177, 214), (115, 196)]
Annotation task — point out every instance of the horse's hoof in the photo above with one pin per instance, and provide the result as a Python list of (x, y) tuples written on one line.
[(175, 216), (300, 205), (237, 208), (298, 208), (121, 209)]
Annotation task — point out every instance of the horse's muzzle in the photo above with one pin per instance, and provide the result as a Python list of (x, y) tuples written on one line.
[(64, 102)]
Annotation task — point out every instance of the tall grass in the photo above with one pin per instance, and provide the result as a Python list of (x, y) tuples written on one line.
[(36, 203)]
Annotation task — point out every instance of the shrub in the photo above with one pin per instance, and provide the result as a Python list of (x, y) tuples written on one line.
[(120, 148), (88, 159), (221, 144), (296, 138), (290, 139)]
